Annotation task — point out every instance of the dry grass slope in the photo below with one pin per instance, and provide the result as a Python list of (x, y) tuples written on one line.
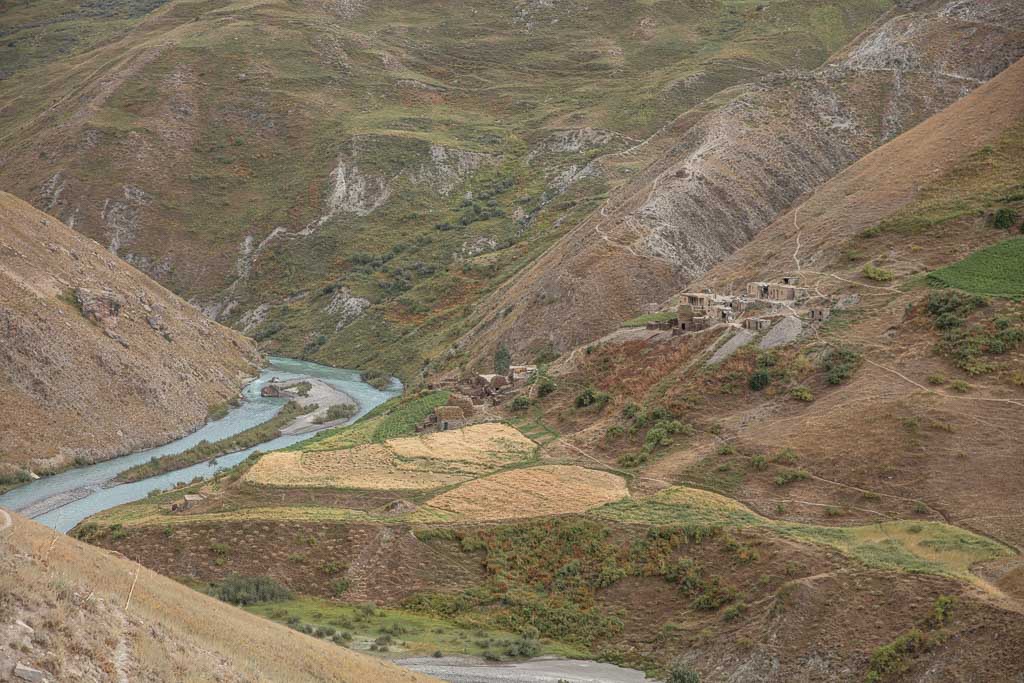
[(144, 370), (76, 596)]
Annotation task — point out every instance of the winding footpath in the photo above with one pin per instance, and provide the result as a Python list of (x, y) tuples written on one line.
[(5, 520)]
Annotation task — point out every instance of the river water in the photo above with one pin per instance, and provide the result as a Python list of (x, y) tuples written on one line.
[(63, 500)]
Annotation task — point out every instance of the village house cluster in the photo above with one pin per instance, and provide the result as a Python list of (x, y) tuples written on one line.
[(471, 393), (755, 310)]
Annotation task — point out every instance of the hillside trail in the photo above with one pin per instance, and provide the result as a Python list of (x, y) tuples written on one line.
[(891, 290), (5, 520)]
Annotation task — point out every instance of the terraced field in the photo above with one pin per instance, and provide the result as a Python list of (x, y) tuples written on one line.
[(411, 463), (532, 492), (995, 271)]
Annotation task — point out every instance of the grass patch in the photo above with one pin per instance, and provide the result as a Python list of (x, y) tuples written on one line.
[(411, 633), (994, 271)]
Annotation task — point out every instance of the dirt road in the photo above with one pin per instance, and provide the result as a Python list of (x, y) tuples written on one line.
[(540, 670)]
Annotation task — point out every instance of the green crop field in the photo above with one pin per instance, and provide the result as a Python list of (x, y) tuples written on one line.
[(995, 271)]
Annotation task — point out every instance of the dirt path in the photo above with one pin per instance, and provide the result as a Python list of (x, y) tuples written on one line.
[(5, 520)]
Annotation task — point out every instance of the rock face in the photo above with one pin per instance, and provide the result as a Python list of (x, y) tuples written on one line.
[(729, 173), (96, 359), (100, 307)]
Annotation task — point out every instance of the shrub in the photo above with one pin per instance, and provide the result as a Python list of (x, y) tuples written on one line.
[(801, 393), (877, 274), (341, 411), (840, 363), (614, 432), (524, 647), (789, 476), (545, 386), (786, 456), (248, 590), (759, 380), (733, 612), (520, 402), (889, 659), (936, 380), (592, 397), (942, 610), (759, 462), (680, 673), (1004, 219), (960, 386)]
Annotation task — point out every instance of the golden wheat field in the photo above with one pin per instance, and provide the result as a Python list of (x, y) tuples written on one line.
[(430, 461), (532, 492)]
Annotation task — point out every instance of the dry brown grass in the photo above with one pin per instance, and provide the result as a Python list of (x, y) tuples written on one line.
[(430, 461), (533, 492), (77, 594)]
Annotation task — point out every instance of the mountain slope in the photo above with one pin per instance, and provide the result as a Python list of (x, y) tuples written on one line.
[(93, 615), (344, 181), (730, 172), (96, 359)]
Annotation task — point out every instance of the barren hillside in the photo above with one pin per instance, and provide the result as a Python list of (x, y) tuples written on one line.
[(96, 359), (74, 612), (730, 172)]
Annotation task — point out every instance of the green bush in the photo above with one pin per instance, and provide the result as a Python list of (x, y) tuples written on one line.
[(592, 397), (1004, 219), (789, 476), (890, 659), (877, 274), (840, 363), (680, 673), (759, 380), (520, 402), (802, 393), (249, 590), (341, 411), (545, 386)]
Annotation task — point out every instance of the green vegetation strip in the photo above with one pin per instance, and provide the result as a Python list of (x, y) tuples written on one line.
[(919, 547), (393, 631), (995, 271), (392, 419), (204, 450)]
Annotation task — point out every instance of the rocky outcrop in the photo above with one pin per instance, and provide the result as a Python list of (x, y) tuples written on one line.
[(345, 307), (101, 308), (96, 359)]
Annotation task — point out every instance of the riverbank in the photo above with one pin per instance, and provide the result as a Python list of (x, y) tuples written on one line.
[(64, 499), (205, 451), (324, 396)]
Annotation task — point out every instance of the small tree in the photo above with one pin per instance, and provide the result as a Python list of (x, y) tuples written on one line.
[(502, 360)]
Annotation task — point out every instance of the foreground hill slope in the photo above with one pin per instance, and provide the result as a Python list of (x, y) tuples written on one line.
[(76, 612), (727, 173), (96, 359)]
